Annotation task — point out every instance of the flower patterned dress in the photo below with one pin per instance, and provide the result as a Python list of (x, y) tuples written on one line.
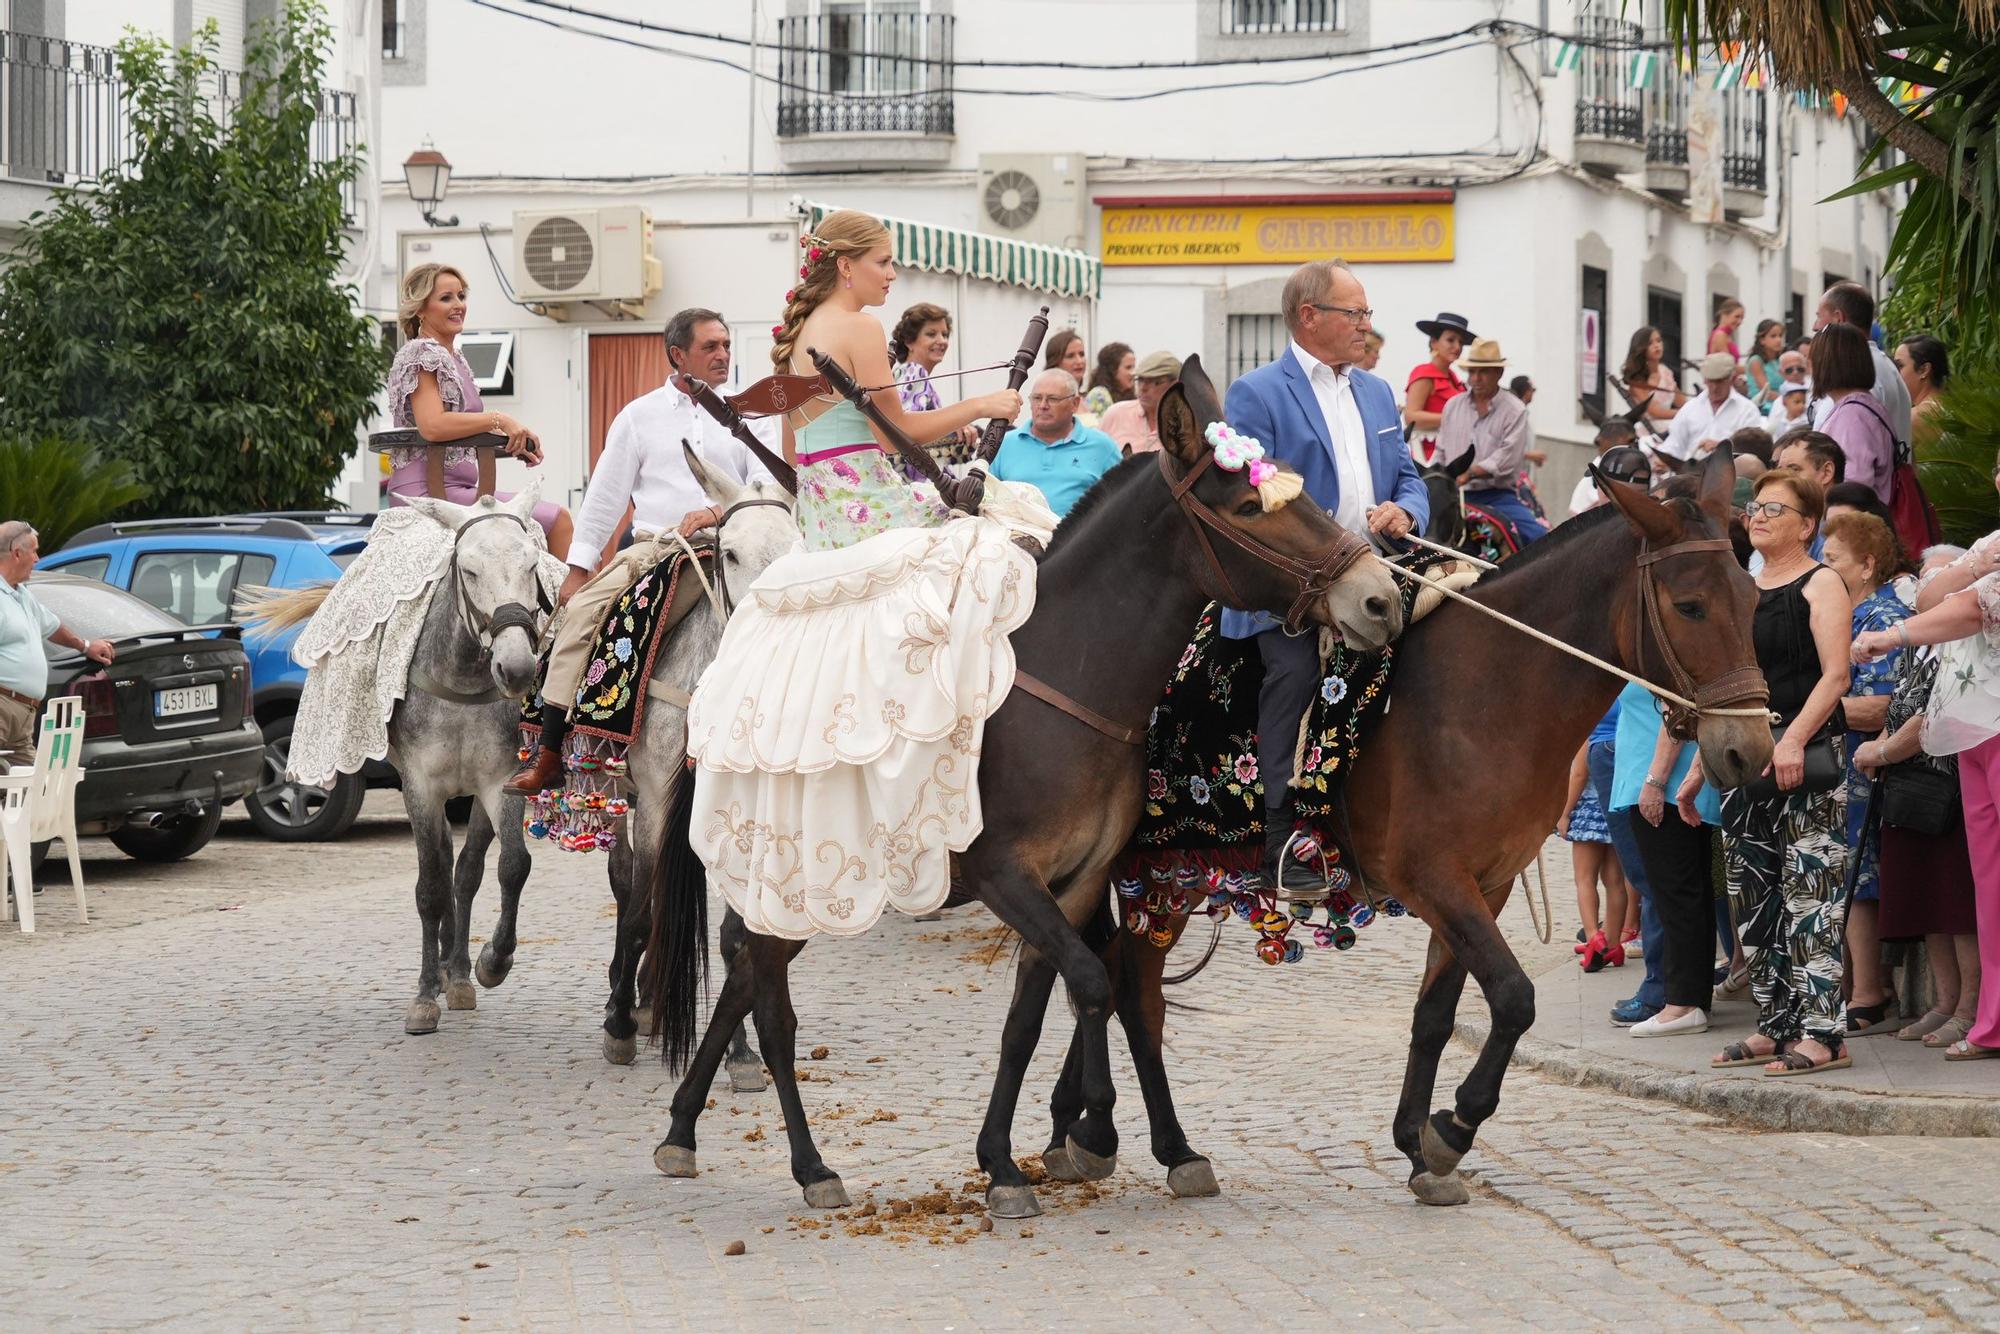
[(848, 488), (1880, 610), (1965, 703)]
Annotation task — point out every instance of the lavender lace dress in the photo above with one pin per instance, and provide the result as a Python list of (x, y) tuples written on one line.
[(455, 386)]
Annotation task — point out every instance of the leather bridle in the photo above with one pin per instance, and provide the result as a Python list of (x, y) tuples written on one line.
[(506, 616), (1726, 693), (724, 603), (1316, 576)]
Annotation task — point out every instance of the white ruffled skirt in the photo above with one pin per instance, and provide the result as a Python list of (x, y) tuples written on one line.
[(837, 734)]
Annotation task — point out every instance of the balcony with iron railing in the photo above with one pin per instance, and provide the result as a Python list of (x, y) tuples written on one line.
[(1610, 124), (1745, 181), (62, 120), (865, 87), (1667, 134)]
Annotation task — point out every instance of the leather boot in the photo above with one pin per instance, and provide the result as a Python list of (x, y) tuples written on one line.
[(545, 772)]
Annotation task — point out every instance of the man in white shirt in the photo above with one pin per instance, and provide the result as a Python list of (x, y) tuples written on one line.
[(1850, 303), (642, 466), (1709, 419)]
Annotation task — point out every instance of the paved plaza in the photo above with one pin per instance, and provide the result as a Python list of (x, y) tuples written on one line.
[(213, 1120)]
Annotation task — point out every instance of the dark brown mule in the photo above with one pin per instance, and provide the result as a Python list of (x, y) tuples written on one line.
[(1459, 784), (1116, 599)]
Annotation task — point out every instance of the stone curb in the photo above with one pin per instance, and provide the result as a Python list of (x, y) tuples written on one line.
[(1793, 1105)]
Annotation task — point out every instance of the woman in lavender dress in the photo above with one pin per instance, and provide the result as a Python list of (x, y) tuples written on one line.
[(431, 389)]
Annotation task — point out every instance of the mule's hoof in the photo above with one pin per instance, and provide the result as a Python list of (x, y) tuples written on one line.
[(747, 1078), (1089, 1167), (1193, 1180), (1439, 1189), (1012, 1202), (461, 995), (1059, 1165), (827, 1194), (1440, 1157), (674, 1161), (620, 1051), (492, 969), (422, 1017)]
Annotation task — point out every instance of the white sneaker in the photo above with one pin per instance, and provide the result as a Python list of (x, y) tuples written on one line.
[(1694, 1021)]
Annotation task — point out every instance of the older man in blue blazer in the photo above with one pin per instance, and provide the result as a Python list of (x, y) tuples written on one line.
[(1340, 427)]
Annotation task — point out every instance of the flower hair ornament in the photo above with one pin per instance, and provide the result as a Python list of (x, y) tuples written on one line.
[(1276, 487), (815, 249)]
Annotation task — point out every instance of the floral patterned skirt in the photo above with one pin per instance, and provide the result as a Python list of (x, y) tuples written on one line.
[(856, 495)]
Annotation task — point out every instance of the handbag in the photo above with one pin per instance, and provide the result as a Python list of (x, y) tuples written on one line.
[(1823, 769), (1919, 797)]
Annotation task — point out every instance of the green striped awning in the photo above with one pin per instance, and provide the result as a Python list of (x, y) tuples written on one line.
[(935, 249)]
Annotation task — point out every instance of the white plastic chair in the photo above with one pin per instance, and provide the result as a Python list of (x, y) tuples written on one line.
[(40, 803)]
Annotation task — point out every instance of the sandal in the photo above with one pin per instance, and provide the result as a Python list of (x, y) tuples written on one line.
[(1741, 1053), (1929, 1023), (1965, 1049), (1864, 1020), (1950, 1031), (1796, 1062), (1736, 983)]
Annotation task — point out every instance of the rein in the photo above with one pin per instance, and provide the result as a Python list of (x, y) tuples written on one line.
[(719, 595), (1711, 700)]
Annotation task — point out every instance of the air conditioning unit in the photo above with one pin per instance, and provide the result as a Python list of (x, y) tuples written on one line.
[(1033, 197), (585, 254)]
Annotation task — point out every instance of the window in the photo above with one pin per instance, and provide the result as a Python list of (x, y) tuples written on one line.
[(865, 67), (1255, 340), (874, 47), (198, 586), (1663, 312), (92, 567), (392, 29), (97, 611), (1262, 16), (1593, 368)]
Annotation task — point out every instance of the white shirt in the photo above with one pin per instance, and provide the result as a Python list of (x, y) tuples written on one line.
[(1584, 497), (1888, 389), (1350, 442), (1699, 420), (642, 466)]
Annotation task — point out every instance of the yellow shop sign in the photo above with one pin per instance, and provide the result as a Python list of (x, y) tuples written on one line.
[(1401, 227)]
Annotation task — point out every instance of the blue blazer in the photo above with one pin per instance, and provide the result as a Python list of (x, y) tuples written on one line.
[(1275, 404)]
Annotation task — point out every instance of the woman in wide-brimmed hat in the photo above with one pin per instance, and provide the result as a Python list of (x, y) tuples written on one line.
[(1434, 383)]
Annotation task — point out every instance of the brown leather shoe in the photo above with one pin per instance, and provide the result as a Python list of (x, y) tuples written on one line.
[(545, 772)]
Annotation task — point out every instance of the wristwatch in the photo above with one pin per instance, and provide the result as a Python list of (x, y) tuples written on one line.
[(1659, 783)]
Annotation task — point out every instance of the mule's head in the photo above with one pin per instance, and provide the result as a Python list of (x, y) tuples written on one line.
[(752, 535), (500, 597), (1362, 604), (1707, 604), (1441, 483)]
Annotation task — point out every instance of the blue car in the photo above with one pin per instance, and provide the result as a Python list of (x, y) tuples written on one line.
[(195, 570)]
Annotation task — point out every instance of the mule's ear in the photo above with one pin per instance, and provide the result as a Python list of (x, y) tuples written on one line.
[(1459, 466), (451, 516), (522, 506), (1718, 483), (1180, 432), (717, 484), (1193, 374), (1649, 518)]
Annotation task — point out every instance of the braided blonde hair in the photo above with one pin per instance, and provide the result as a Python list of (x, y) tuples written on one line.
[(847, 233)]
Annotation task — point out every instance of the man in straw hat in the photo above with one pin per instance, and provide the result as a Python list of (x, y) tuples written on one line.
[(1709, 419), (1338, 426), (1493, 424)]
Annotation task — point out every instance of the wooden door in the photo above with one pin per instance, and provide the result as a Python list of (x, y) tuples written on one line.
[(623, 366)]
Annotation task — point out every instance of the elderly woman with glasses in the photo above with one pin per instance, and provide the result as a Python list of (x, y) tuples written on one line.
[(1784, 849)]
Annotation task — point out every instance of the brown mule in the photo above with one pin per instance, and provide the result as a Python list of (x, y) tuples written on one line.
[(1116, 599), (1452, 863)]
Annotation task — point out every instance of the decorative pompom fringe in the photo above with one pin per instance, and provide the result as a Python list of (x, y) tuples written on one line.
[(1280, 489)]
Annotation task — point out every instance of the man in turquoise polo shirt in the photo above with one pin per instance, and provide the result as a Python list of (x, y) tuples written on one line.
[(24, 664), (1054, 453)]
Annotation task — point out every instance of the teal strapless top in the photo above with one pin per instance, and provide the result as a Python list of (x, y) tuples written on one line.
[(840, 425)]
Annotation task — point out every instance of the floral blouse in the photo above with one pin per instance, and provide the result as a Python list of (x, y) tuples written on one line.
[(915, 388), (454, 380), (1964, 708)]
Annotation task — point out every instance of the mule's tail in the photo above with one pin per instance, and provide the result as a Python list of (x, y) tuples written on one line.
[(675, 975), (268, 612)]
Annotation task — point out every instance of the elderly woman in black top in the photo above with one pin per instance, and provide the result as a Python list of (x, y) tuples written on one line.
[(1785, 850)]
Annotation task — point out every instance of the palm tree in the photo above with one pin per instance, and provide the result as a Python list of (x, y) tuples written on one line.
[(61, 487)]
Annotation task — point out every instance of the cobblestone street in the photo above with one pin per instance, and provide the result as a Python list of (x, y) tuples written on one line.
[(214, 1121)]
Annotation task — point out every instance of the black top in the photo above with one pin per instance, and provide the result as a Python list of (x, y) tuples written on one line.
[(1785, 648)]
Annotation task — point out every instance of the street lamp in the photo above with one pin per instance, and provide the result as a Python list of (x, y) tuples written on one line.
[(428, 174)]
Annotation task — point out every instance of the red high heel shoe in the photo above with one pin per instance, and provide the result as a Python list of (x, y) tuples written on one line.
[(1598, 952)]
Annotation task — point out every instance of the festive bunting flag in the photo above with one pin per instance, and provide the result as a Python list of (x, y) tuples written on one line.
[(1840, 104), (1569, 55), (1727, 76), (1643, 64), (1754, 77)]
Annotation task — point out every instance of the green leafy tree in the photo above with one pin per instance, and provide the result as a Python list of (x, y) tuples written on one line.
[(184, 313), (62, 487)]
